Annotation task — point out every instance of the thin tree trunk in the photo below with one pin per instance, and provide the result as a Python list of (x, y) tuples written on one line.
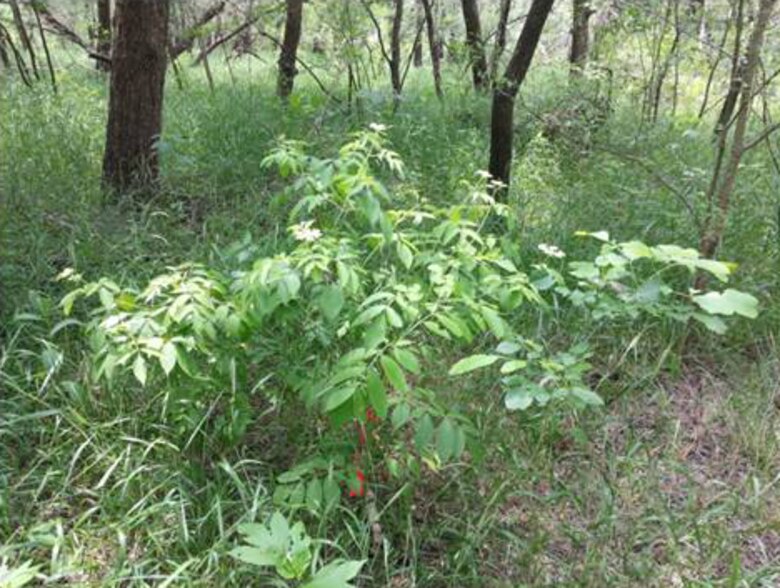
[(103, 45), (18, 57), (580, 33), (45, 46), (723, 183), (501, 124), (418, 46), (395, 49), (138, 64), (500, 41), (736, 78), (4, 59), (24, 38), (433, 46), (289, 51), (479, 67)]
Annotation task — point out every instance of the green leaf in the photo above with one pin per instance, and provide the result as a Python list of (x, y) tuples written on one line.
[(728, 303), (400, 415), (407, 359), (314, 494), (635, 250), (713, 323), (254, 556), (338, 397), (168, 357), (423, 432), (139, 369), (473, 362), (513, 365), (496, 324), (336, 574), (395, 375), (446, 440), (377, 395), (330, 302), (405, 255), (717, 268), (331, 492), (589, 397), (518, 399)]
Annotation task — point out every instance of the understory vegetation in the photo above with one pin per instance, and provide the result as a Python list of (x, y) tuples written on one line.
[(322, 352)]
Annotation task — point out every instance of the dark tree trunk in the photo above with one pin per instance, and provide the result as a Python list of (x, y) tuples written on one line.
[(418, 46), (395, 48), (138, 64), (289, 51), (735, 82), (24, 38), (45, 46), (433, 45), (500, 42), (479, 68), (506, 89), (103, 45), (4, 52), (580, 33)]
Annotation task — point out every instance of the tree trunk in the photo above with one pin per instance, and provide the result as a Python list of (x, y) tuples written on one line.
[(395, 49), (433, 46), (500, 42), (45, 46), (24, 38), (722, 185), (578, 56), (4, 52), (289, 51), (418, 46), (479, 68), (138, 64), (103, 45), (506, 89)]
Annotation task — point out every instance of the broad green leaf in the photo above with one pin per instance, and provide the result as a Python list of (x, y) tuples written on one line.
[(400, 415), (336, 574), (496, 324), (405, 255), (728, 303), (423, 433), (139, 369), (473, 362), (589, 397), (717, 268), (508, 348), (331, 301), (338, 397), (395, 375), (446, 439), (407, 359), (712, 322), (254, 556), (314, 494), (513, 365), (635, 250), (518, 399), (377, 395), (168, 357)]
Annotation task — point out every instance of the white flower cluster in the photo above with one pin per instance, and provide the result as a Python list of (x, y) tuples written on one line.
[(551, 250), (305, 231)]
